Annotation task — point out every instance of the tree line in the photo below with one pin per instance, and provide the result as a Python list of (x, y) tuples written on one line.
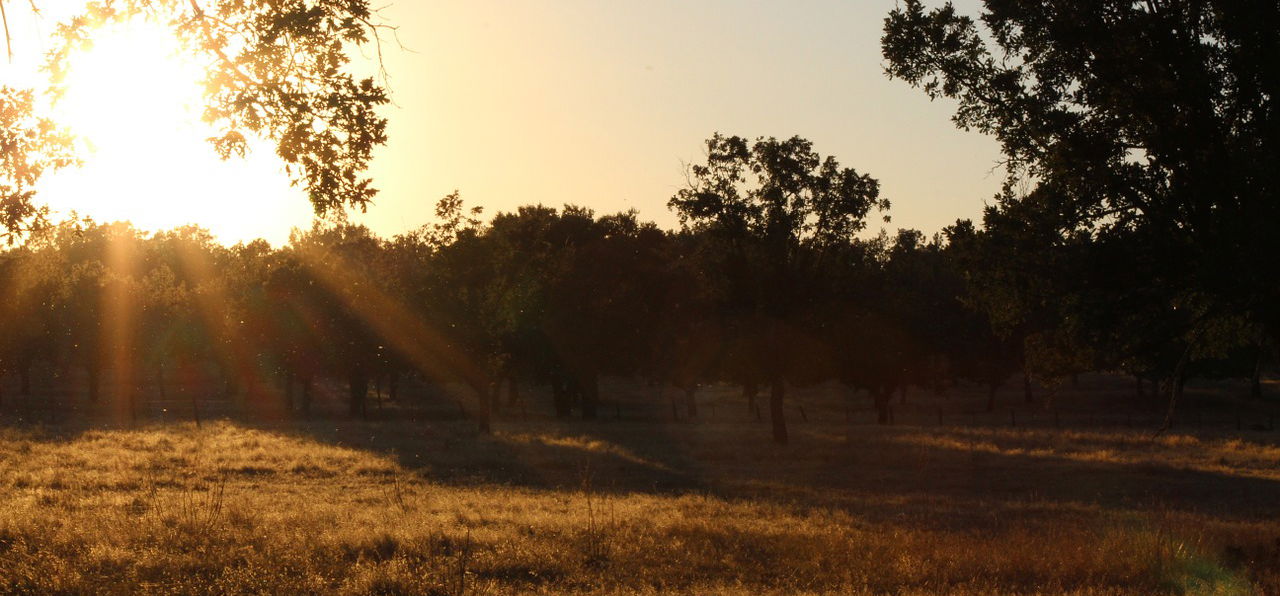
[(770, 282)]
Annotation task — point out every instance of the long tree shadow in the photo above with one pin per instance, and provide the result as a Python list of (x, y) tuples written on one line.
[(539, 456), (946, 476), (943, 477)]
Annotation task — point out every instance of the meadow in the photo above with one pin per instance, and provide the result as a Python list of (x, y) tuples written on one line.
[(979, 504)]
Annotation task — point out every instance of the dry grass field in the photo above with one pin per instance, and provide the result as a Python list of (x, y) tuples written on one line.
[(645, 507)]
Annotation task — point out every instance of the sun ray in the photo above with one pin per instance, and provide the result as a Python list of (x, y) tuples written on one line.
[(119, 325), (429, 351), (213, 305)]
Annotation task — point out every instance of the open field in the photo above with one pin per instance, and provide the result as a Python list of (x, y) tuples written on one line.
[(705, 507)]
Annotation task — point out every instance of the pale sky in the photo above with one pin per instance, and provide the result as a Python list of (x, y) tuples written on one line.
[(597, 103)]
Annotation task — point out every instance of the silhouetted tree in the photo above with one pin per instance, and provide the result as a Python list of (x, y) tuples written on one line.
[(778, 207), (1146, 127)]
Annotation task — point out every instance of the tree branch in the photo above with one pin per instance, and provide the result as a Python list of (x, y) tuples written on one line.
[(8, 40)]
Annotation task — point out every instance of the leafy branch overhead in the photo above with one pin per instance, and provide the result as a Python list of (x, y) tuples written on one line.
[(29, 145), (277, 69), (1137, 114)]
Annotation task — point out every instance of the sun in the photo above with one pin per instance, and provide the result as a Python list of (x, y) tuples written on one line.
[(134, 100)]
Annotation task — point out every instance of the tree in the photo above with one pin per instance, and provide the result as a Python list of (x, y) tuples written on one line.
[(181, 308), (341, 296), (455, 294), (779, 209), (28, 284), (600, 300), (29, 145), (278, 70), (1147, 128), (565, 297), (685, 336)]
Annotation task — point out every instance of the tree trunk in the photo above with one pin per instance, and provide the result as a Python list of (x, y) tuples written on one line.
[(1026, 387), (160, 381), (288, 392), (486, 395), (95, 384), (358, 384), (590, 396), (393, 387), (1178, 380), (513, 391), (1255, 383), (24, 375), (1178, 386), (750, 390), (560, 398), (229, 384), (185, 373), (902, 394), (306, 396), (777, 415), (1142, 390), (882, 399), (495, 396), (991, 397), (134, 401), (691, 400), (195, 408)]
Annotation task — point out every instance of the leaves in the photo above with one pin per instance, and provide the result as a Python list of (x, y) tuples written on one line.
[(29, 145), (1147, 133), (277, 69), (781, 191)]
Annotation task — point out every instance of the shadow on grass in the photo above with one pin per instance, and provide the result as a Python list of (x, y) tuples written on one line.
[(965, 477), (942, 476)]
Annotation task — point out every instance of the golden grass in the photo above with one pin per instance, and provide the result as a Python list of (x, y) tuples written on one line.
[(709, 508)]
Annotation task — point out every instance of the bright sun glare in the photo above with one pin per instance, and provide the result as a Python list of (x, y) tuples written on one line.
[(134, 100)]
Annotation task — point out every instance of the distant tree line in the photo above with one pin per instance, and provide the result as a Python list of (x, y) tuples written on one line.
[(769, 283)]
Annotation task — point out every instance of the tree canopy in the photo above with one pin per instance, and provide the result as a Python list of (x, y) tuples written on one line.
[(279, 70), (1146, 133), (778, 211)]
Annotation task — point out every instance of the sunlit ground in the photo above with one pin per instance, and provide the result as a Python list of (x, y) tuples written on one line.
[(135, 100), (618, 507)]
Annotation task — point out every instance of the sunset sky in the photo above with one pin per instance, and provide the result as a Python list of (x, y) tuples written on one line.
[(516, 102)]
